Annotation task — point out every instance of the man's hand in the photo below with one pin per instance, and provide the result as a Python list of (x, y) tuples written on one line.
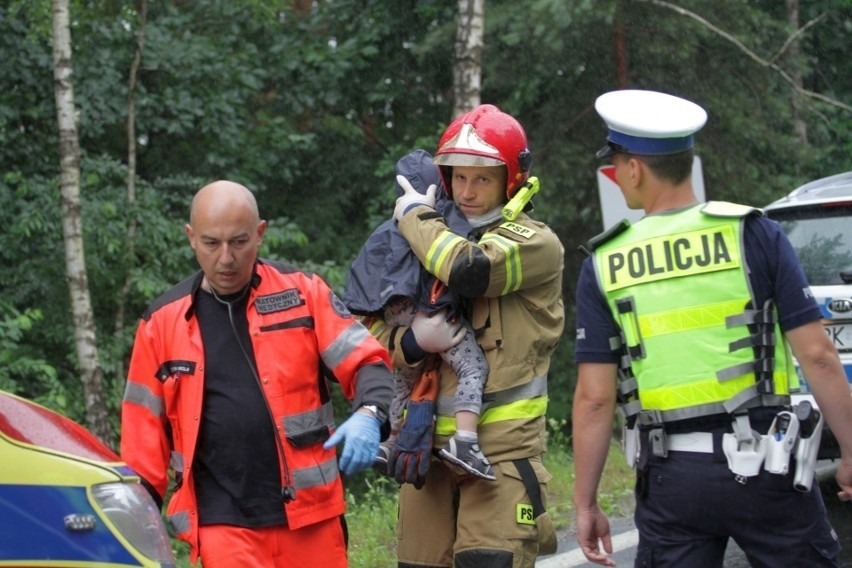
[(592, 532), (412, 197), (844, 480), (361, 435), (434, 334)]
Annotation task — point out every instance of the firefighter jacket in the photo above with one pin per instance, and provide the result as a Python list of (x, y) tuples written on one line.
[(512, 275), (693, 342), (302, 335)]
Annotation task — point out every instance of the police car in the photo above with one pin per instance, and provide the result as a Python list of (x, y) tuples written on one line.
[(817, 218), (67, 500)]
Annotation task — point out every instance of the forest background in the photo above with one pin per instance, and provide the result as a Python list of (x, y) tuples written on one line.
[(310, 104)]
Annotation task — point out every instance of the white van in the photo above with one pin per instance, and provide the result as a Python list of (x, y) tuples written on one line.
[(817, 218)]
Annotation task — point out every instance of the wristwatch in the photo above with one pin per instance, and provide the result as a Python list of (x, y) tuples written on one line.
[(377, 412)]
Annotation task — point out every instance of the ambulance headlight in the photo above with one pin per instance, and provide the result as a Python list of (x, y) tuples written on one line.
[(134, 514)]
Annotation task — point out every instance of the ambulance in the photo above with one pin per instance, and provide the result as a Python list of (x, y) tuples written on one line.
[(66, 500)]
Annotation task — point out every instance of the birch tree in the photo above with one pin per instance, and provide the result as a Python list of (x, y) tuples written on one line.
[(131, 178), (72, 228), (467, 64), (800, 127)]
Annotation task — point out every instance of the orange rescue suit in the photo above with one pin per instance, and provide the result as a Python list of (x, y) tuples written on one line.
[(300, 332)]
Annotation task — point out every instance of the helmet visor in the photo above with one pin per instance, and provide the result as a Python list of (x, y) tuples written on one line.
[(458, 159)]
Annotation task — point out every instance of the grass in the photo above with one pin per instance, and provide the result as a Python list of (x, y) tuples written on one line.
[(372, 516), (372, 505), (615, 494)]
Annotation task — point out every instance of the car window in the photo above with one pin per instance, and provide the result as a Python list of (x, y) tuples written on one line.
[(822, 237)]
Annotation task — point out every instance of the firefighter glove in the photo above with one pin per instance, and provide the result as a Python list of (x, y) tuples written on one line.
[(409, 460), (412, 197), (360, 434), (434, 334)]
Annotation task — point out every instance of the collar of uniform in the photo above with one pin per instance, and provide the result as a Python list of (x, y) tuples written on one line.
[(199, 279)]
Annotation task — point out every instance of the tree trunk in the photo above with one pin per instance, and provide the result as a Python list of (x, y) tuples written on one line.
[(800, 127), (619, 48), (131, 185), (72, 228), (467, 66)]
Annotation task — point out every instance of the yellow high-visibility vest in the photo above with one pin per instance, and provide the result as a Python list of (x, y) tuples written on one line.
[(677, 286)]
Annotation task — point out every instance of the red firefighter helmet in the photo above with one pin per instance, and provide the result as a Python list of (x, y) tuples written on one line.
[(485, 136)]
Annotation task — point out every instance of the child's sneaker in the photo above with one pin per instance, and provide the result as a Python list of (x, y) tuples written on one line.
[(469, 457)]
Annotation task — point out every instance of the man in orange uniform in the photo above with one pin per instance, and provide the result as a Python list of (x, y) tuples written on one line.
[(228, 387)]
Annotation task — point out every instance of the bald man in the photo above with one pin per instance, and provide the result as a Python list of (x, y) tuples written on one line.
[(228, 389)]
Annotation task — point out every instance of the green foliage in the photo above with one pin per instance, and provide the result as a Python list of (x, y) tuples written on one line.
[(559, 464), (312, 106), (372, 512), (22, 371)]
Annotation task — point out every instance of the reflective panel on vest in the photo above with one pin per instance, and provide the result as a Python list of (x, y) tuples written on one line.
[(176, 461), (697, 392), (345, 344), (179, 522), (671, 256), (315, 475), (675, 284), (686, 319), (314, 419), (138, 394)]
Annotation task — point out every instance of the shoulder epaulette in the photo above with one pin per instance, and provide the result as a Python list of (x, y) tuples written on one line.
[(728, 209), (610, 233)]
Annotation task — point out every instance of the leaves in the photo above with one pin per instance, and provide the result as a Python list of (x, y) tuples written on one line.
[(312, 107)]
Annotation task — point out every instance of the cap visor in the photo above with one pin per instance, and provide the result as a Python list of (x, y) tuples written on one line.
[(605, 152)]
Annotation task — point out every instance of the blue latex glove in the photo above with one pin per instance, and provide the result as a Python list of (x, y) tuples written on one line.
[(412, 197), (409, 459), (361, 435)]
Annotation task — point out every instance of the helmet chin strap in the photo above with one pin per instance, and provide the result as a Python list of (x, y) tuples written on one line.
[(486, 219)]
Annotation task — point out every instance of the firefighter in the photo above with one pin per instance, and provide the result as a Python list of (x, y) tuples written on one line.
[(228, 387), (694, 308), (386, 280), (511, 273)]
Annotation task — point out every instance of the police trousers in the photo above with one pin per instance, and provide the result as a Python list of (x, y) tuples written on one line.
[(462, 521), (689, 504)]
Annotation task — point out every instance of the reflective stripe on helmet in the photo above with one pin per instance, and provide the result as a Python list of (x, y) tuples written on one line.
[(485, 136)]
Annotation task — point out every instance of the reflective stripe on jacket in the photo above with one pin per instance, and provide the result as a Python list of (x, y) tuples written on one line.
[(301, 334), (677, 286)]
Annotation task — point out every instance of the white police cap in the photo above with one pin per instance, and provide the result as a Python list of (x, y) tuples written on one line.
[(648, 123)]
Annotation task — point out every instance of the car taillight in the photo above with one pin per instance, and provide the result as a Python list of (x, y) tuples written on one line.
[(132, 511)]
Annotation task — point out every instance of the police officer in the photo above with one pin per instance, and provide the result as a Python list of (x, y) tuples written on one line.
[(512, 273), (684, 321), (228, 390)]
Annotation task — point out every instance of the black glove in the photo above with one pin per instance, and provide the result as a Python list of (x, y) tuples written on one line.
[(409, 459)]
